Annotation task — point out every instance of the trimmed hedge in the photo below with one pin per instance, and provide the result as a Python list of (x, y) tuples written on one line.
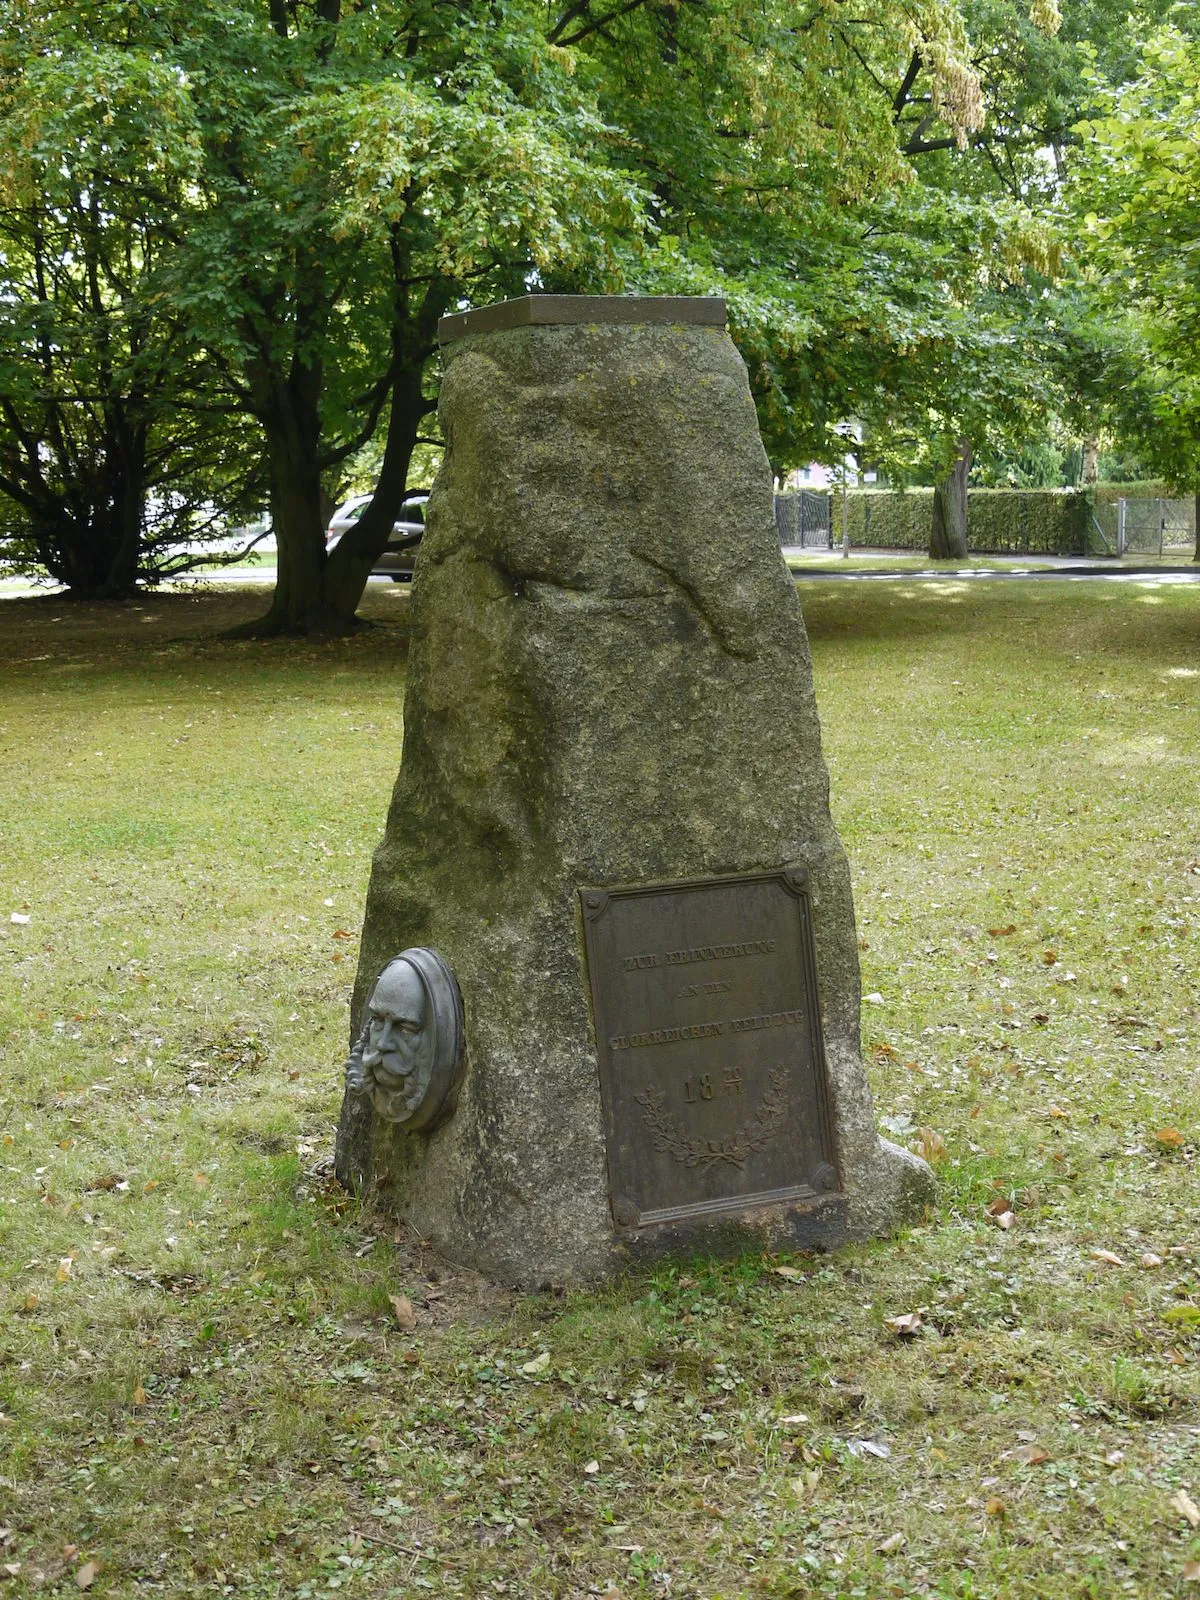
[(999, 521), (1150, 489)]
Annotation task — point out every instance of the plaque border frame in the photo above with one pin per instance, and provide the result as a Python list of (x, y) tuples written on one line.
[(794, 880)]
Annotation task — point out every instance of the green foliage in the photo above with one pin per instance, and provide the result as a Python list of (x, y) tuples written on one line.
[(111, 452), (1045, 521), (1137, 489), (280, 199), (1137, 193)]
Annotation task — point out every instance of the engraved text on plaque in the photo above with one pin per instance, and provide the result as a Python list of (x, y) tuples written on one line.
[(704, 995)]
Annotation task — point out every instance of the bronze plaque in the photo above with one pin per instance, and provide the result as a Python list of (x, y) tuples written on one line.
[(708, 1033)]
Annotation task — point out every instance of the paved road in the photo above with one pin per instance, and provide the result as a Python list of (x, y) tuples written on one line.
[(1072, 567), (238, 577)]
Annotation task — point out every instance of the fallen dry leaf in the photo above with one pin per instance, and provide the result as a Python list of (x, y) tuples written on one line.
[(592, 1468), (792, 1274), (64, 1270), (1002, 933), (908, 1324), (1191, 1572), (1169, 1139), (540, 1363), (139, 1394), (930, 1146), (1186, 1507), (892, 1545), (995, 1507), (402, 1310), (1149, 1260), (201, 1180), (110, 1180), (87, 1575), (1107, 1257), (1050, 957), (1031, 1454)]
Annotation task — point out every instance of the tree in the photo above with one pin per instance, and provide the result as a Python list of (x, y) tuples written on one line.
[(112, 459), (366, 170), (1137, 192), (948, 538), (357, 170), (361, 172)]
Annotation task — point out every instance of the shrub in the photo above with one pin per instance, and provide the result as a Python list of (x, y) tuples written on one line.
[(1000, 521)]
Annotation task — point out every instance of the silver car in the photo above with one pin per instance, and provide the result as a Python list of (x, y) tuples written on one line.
[(396, 562)]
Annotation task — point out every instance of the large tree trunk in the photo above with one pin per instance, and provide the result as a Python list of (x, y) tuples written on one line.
[(297, 606), (414, 332), (315, 592), (1090, 468), (948, 536), (289, 410), (349, 565), (93, 546), (128, 514)]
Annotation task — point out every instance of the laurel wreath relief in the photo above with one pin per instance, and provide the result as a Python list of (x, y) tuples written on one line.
[(735, 1148)]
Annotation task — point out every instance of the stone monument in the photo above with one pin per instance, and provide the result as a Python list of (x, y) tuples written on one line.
[(607, 1003)]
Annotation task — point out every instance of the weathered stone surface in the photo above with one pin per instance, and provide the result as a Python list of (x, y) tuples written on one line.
[(609, 683), (536, 310)]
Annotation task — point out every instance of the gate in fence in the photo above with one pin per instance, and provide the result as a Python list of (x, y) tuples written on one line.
[(803, 519), (1142, 527)]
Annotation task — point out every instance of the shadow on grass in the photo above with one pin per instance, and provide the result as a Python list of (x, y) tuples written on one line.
[(164, 631), (120, 636), (1151, 620)]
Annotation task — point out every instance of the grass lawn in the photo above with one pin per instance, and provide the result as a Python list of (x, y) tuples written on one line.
[(203, 1386), (867, 560)]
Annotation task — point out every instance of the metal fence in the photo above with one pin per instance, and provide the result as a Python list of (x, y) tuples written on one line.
[(802, 519), (1143, 527)]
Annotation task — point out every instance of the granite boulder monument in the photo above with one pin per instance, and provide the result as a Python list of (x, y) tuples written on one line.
[(607, 1003)]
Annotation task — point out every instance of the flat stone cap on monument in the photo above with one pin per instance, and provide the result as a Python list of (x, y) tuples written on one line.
[(547, 310)]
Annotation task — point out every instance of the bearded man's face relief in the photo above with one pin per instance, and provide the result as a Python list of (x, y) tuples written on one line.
[(395, 1035), (409, 1051)]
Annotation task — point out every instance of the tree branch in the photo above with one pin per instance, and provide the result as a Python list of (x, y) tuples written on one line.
[(905, 89), (598, 24)]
